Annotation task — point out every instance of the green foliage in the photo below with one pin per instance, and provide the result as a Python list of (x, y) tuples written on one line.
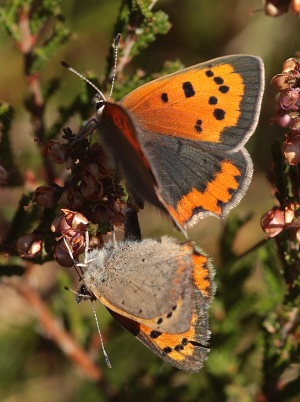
[(7, 157)]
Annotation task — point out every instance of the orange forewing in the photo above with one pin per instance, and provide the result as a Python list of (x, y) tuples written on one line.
[(179, 115)]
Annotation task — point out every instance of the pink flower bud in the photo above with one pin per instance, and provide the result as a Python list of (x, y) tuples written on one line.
[(290, 99), (295, 6), (47, 195), (289, 213), (280, 81), (30, 245), (290, 64), (76, 220), (69, 221), (274, 8), (282, 118), (272, 222), (56, 224), (62, 255), (295, 124), (291, 148)]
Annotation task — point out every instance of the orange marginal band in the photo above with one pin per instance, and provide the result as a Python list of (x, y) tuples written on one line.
[(172, 340), (201, 274), (217, 190)]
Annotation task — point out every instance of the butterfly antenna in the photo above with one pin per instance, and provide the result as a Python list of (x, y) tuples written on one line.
[(87, 245), (107, 361), (114, 72), (76, 264), (68, 67)]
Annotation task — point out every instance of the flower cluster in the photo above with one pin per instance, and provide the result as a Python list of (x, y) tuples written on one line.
[(274, 8), (287, 115), (277, 219), (288, 112), (89, 194)]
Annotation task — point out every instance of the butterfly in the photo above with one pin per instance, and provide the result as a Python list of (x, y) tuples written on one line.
[(180, 138), (159, 290)]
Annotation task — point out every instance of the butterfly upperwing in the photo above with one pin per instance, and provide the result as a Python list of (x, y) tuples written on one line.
[(194, 180), (149, 282), (216, 102), (212, 108), (189, 350)]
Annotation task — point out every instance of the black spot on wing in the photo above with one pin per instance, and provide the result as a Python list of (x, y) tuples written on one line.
[(219, 80), (224, 89), (164, 97), (188, 89), (209, 73), (198, 127), (155, 334), (219, 114), (213, 100)]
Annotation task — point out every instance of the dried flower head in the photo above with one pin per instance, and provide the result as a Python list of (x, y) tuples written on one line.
[(273, 222)]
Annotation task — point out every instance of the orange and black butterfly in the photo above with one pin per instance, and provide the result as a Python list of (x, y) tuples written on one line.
[(180, 139), (160, 291)]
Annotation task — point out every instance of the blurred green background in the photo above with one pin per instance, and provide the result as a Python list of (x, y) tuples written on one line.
[(32, 367)]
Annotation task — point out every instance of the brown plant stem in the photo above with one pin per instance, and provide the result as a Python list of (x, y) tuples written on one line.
[(54, 329), (36, 103), (127, 45)]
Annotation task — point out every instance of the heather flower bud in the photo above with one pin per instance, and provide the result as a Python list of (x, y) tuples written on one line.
[(69, 221), (282, 118), (76, 220), (289, 64), (291, 148), (289, 213), (62, 255), (56, 224), (71, 198), (30, 245), (290, 99), (274, 8), (57, 152), (295, 124), (295, 6), (281, 81), (91, 189), (273, 222), (47, 195)]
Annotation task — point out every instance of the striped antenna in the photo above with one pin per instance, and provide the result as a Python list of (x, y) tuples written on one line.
[(68, 67), (107, 361), (114, 73)]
